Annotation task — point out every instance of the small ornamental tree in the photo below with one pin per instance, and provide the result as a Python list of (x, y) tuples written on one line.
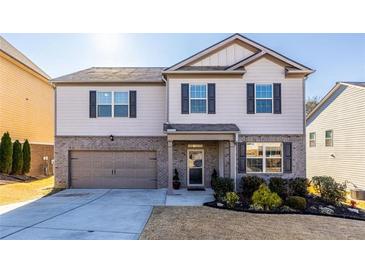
[(17, 165), (26, 157), (6, 153)]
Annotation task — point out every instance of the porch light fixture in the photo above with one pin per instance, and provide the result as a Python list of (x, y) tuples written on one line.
[(111, 137)]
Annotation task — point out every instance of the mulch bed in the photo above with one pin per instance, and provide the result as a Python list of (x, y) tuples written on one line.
[(313, 205), (11, 179)]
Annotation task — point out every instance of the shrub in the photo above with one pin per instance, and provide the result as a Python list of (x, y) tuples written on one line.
[(296, 202), (279, 186), (26, 157), (176, 178), (6, 153), (231, 199), (250, 184), (265, 198), (298, 187), (17, 165), (221, 186), (329, 190)]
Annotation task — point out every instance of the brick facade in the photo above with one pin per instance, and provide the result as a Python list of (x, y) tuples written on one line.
[(37, 164)]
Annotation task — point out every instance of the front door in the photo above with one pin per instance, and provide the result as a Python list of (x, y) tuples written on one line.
[(195, 167)]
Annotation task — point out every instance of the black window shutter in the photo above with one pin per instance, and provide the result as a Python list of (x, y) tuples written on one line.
[(288, 157), (242, 157), (184, 98), (132, 104), (250, 98), (277, 98), (92, 103), (211, 98)]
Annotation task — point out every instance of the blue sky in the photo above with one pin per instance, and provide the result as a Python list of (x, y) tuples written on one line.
[(335, 57)]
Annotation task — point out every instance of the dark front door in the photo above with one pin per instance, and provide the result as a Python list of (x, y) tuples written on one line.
[(195, 167)]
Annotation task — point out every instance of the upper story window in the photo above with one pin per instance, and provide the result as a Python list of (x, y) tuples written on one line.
[(264, 157), (329, 138), (264, 98), (312, 139), (104, 104), (112, 104), (198, 98)]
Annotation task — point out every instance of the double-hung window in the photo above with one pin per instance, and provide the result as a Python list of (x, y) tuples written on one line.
[(198, 98), (264, 98), (264, 157), (329, 138), (312, 139), (104, 104), (112, 104)]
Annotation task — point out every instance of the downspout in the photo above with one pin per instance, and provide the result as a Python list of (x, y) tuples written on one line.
[(167, 98), (235, 173)]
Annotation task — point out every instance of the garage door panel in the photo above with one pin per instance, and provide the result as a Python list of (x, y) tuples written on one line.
[(113, 169)]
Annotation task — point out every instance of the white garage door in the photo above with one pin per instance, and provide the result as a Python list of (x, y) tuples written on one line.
[(113, 169)]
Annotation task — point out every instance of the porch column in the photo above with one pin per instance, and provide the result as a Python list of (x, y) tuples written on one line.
[(169, 166), (232, 148), (221, 158)]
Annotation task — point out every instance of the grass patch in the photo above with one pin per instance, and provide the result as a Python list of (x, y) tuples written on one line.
[(24, 191)]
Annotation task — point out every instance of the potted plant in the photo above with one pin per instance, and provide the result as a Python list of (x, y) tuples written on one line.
[(176, 180), (214, 177)]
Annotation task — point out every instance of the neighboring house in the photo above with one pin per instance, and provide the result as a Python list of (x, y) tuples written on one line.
[(27, 106), (336, 135), (237, 107)]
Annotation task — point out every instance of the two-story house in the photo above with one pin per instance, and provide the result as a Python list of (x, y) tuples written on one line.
[(27, 106), (237, 107)]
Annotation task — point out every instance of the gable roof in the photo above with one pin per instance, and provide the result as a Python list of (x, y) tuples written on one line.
[(332, 91), (11, 51), (113, 74), (237, 36)]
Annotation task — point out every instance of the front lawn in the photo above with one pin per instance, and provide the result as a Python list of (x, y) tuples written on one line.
[(20, 192), (204, 223)]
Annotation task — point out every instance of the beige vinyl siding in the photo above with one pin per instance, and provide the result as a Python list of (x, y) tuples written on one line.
[(344, 113), (231, 101), (73, 112), (225, 57), (26, 103)]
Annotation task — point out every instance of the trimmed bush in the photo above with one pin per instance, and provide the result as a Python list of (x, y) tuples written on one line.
[(330, 191), (265, 198), (6, 154), (26, 157), (221, 186), (296, 202), (231, 199), (298, 187), (279, 186), (17, 165), (250, 184)]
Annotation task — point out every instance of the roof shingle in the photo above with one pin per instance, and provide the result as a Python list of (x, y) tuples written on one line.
[(202, 127)]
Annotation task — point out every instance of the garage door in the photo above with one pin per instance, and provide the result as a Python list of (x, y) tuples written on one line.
[(113, 169)]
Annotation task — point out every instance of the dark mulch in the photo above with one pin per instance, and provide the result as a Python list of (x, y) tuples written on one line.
[(313, 204), (11, 179)]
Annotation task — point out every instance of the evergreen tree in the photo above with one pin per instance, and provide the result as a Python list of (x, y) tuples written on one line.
[(17, 165), (6, 153), (26, 157)]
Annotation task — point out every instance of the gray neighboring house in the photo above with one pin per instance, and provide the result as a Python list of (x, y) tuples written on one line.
[(237, 107), (336, 135)]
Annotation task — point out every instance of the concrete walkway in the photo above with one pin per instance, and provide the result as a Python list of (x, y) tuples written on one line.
[(77, 214)]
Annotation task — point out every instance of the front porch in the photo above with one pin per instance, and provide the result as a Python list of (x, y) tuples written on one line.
[(196, 152)]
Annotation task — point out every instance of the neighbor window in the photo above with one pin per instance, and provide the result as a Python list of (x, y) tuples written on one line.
[(104, 103), (121, 104), (264, 98), (329, 138), (198, 98), (312, 139), (264, 157)]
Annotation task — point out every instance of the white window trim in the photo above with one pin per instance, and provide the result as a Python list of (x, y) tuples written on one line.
[(112, 104), (264, 158), (325, 137), (315, 139), (272, 98), (206, 98)]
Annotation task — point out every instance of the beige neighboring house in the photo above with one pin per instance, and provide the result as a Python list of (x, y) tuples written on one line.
[(237, 107), (336, 135), (27, 106)]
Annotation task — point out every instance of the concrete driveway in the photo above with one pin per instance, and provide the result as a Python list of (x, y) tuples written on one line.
[(87, 214)]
